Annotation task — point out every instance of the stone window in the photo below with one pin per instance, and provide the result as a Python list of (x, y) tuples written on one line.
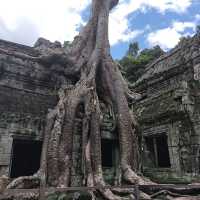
[(25, 159), (157, 151)]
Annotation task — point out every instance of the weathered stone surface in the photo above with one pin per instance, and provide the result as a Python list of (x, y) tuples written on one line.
[(3, 183), (27, 91), (171, 107)]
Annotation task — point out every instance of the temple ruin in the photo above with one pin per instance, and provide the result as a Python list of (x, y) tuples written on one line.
[(168, 115), (28, 90)]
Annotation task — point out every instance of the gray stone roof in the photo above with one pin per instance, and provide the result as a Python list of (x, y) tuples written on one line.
[(187, 50), (11, 46)]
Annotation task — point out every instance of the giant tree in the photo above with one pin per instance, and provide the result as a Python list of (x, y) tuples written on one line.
[(98, 79)]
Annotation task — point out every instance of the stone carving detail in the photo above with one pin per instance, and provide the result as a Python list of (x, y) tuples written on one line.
[(197, 72), (108, 121)]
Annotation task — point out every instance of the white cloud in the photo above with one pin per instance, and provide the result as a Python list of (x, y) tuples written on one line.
[(25, 32), (168, 37), (119, 30), (197, 17), (178, 6), (119, 23), (59, 20), (54, 20), (181, 26)]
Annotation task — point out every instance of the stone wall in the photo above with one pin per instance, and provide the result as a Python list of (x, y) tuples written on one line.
[(26, 93), (171, 107), (170, 111)]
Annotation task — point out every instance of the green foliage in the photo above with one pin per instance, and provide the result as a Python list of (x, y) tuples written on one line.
[(153, 53), (198, 29), (133, 49), (62, 196), (66, 44), (57, 196), (134, 64), (52, 197)]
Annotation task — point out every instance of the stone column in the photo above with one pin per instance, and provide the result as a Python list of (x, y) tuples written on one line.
[(5, 153), (173, 140)]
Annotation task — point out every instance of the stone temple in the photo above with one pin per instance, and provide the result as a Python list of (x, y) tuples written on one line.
[(168, 115)]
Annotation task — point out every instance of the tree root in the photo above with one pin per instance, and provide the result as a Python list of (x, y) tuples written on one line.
[(131, 177), (25, 182), (130, 191), (20, 196), (165, 192)]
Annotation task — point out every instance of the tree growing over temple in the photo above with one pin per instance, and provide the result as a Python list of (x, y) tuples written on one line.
[(98, 79)]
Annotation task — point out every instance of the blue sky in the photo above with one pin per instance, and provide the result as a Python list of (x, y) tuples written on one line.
[(150, 22), (161, 26)]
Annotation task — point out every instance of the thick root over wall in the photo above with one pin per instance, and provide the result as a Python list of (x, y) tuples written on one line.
[(99, 79)]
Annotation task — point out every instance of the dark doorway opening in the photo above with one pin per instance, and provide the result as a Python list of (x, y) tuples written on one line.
[(25, 157), (107, 152), (158, 152), (163, 152)]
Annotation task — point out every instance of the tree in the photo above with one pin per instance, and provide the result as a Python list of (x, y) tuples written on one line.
[(198, 29), (152, 53), (66, 44), (134, 67), (133, 49), (97, 79)]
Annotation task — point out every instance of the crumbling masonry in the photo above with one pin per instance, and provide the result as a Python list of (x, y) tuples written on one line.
[(168, 115)]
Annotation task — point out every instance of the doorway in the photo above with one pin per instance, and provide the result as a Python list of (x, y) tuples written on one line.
[(158, 152), (25, 159)]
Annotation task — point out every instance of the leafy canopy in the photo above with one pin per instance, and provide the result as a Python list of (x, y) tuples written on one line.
[(135, 61)]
